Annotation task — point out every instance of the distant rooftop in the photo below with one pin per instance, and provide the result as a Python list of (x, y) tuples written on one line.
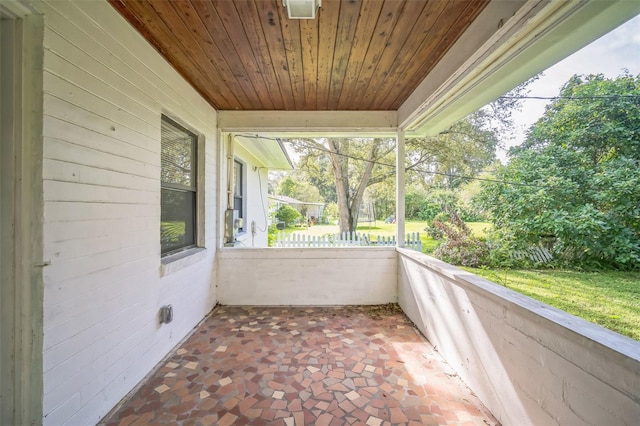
[(289, 200)]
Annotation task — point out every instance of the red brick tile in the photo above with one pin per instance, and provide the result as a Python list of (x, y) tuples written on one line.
[(268, 414), (259, 364), (324, 419), (299, 418), (279, 404), (227, 419), (347, 406), (397, 416), (295, 405), (247, 403)]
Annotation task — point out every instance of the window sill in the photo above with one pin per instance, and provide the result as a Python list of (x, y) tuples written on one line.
[(178, 261)]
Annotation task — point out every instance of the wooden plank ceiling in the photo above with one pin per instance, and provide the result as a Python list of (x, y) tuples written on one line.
[(357, 55)]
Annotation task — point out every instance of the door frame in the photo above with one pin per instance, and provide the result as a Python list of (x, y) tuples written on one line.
[(21, 214)]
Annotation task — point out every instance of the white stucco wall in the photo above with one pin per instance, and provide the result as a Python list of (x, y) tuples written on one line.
[(256, 188), (529, 363), (105, 89), (315, 276)]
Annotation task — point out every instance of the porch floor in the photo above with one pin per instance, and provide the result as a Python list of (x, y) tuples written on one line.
[(364, 365)]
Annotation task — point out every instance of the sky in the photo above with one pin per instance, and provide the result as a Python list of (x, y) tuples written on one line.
[(609, 55)]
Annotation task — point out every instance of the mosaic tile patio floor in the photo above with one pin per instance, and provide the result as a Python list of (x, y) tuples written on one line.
[(304, 366)]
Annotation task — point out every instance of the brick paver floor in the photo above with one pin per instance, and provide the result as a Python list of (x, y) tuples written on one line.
[(363, 365)]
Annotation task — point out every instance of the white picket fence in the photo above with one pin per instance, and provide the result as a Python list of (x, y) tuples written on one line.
[(346, 239)]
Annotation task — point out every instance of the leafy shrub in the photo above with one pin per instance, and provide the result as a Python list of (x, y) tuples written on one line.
[(272, 235), (459, 246), (288, 214), (574, 184)]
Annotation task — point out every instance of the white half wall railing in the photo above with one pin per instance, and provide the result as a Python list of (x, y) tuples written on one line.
[(529, 363), (307, 276)]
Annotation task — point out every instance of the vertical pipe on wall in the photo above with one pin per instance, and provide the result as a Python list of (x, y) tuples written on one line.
[(400, 181)]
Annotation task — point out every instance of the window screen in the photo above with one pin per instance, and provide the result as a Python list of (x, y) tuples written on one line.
[(178, 188)]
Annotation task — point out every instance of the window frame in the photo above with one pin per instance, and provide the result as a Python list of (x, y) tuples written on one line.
[(243, 188), (194, 189)]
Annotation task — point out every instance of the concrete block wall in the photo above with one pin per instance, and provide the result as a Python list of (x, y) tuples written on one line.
[(529, 363), (314, 276)]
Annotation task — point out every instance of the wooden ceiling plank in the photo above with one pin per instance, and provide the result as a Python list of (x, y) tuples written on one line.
[(347, 24), (174, 24), (328, 24), (369, 13), (398, 38), (197, 35), (269, 20), (238, 38), (309, 42), (454, 33), (357, 55), (163, 39), (443, 37), (250, 22), (421, 31), (388, 19), (165, 14), (293, 49), (241, 64)]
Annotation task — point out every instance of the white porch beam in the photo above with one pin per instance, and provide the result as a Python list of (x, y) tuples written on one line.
[(508, 43), (300, 122), (400, 184)]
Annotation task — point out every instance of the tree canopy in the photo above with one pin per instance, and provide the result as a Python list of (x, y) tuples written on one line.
[(345, 169), (299, 189), (574, 184)]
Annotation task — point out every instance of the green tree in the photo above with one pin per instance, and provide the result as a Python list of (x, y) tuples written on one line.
[(288, 214), (594, 116), (352, 165), (331, 211), (300, 190), (461, 152), (356, 163), (454, 156), (575, 182)]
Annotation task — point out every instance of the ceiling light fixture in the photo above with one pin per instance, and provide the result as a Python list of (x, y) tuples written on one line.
[(302, 9)]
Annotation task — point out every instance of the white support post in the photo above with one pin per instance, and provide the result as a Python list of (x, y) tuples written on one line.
[(400, 183)]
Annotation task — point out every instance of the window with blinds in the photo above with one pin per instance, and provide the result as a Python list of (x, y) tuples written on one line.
[(178, 187)]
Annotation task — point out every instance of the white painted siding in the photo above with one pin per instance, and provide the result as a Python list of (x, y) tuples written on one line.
[(256, 180), (105, 89), (316, 276)]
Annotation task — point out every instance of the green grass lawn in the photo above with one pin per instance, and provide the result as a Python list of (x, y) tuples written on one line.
[(610, 299)]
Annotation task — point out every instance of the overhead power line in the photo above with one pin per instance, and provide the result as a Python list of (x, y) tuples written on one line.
[(353, 157), (550, 98), (449, 175)]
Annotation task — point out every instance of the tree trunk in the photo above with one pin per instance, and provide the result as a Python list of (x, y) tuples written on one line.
[(340, 166), (349, 205)]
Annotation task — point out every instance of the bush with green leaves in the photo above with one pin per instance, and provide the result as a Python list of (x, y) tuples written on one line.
[(288, 214), (574, 185), (458, 246), (272, 236)]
